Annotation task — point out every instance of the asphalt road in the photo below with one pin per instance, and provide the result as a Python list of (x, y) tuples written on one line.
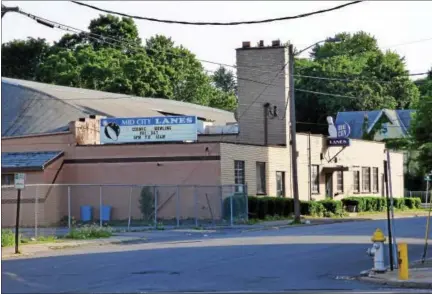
[(298, 258)]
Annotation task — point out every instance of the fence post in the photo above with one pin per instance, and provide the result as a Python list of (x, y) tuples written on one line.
[(195, 206), (231, 207), (221, 201), (178, 206), (130, 208), (69, 209), (100, 206), (36, 211), (155, 205), (247, 202)]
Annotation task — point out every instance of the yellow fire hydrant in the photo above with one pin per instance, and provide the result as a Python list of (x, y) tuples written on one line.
[(377, 251)]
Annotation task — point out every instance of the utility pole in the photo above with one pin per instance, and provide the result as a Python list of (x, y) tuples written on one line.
[(5, 9), (293, 134), (294, 177)]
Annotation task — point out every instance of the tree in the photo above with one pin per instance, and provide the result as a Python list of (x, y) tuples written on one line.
[(157, 69), (224, 80), (425, 84), (106, 31), (421, 130), (20, 58), (364, 77)]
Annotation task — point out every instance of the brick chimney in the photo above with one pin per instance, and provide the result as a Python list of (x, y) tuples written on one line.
[(86, 130), (262, 64)]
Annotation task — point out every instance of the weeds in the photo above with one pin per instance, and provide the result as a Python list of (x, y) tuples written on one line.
[(7, 238), (89, 232)]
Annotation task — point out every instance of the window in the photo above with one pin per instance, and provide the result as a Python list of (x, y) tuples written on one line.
[(280, 184), (356, 181), (366, 185), (7, 179), (315, 178), (375, 179), (239, 175), (340, 181), (261, 177)]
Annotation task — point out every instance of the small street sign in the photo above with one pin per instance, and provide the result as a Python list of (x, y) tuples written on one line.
[(428, 178), (19, 181)]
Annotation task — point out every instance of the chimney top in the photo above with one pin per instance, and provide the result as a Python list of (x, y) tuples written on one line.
[(276, 43), (246, 44)]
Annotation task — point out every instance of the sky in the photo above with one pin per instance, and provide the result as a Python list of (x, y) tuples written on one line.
[(400, 26)]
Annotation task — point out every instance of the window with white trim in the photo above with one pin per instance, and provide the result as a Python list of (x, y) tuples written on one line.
[(366, 175), (315, 178), (239, 175)]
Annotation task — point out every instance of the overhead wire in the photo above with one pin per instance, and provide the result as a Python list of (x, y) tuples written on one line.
[(197, 23)]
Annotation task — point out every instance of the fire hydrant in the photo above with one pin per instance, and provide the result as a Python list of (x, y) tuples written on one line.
[(377, 251)]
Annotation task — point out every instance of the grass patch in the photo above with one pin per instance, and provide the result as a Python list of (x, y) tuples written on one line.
[(7, 238), (89, 232)]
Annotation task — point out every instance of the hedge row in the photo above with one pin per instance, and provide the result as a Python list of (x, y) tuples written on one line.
[(379, 203), (260, 207)]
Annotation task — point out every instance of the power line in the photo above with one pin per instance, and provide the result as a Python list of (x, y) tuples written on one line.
[(357, 79), (217, 23), (100, 38)]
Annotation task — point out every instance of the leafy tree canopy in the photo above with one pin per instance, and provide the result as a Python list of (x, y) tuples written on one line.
[(356, 68), (158, 68)]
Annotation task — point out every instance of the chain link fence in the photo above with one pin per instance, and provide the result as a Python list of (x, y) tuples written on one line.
[(423, 195), (54, 209)]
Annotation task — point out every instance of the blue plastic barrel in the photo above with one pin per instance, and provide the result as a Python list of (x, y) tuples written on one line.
[(106, 213), (86, 213)]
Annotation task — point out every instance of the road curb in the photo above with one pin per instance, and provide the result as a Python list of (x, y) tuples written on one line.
[(71, 245), (401, 284)]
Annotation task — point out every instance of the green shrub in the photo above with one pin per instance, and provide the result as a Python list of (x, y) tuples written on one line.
[(365, 203), (147, 202), (262, 207), (313, 208), (7, 238), (271, 206), (412, 203), (89, 232), (332, 206), (288, 206), (279, 206), (399, 203), (253, 207)]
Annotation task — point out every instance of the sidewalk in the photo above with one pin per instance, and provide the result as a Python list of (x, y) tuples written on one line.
[(34, 249), (150, 235), (420, 277)]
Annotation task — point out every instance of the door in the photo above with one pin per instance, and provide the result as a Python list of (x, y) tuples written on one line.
[(329, 185)]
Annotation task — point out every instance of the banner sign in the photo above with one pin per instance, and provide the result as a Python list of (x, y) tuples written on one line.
[(148, 129)]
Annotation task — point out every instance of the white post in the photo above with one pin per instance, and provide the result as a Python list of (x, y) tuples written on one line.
[(231, 207), (130, 208), (69, 209), (178, 206), (36, 212), (100, 206), (195, 206), (247, 202), (155, 205), (427, 192), (392, 209)]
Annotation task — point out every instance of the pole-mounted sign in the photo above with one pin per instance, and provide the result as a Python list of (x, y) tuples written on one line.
[(338, 134), (19, 185)]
